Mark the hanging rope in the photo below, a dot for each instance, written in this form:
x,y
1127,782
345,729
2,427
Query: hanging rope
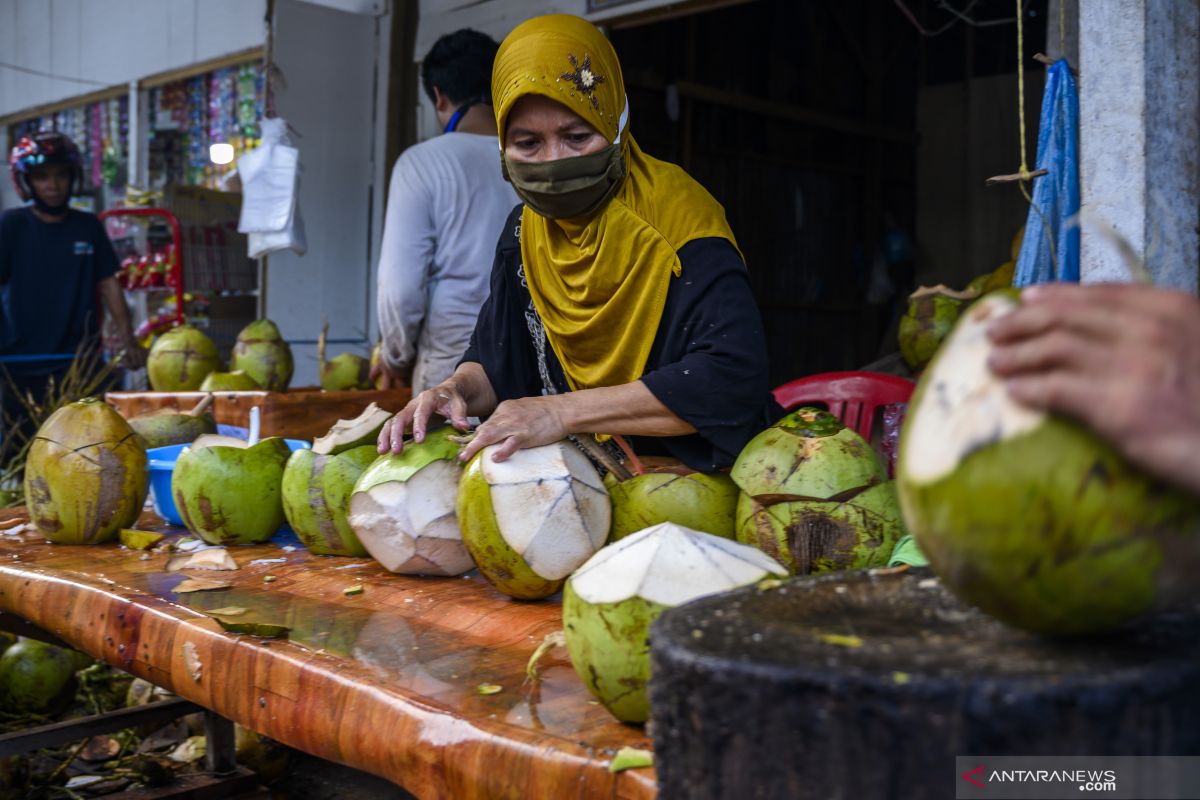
x,y
1023,174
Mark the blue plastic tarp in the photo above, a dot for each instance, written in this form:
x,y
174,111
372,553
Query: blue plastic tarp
x,y
1050,250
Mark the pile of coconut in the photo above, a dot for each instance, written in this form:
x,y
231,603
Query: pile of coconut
x,y
184,359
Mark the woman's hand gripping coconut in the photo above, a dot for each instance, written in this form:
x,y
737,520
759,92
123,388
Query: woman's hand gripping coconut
x,y
619,302
529,421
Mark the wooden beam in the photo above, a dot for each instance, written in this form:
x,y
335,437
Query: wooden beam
x,y
201,67
158,79
72,730
633,14
59,105
776,109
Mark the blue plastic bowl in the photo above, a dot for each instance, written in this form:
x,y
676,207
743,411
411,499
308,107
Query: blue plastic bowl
x,y
162,467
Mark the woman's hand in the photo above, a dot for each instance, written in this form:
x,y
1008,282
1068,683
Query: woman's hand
x,y
1122,359
629,410
519,424
468,392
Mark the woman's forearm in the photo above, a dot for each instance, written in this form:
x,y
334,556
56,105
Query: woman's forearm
x,y
474,388
627,410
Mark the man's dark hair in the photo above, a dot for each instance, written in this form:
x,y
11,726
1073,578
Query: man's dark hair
x,y
460,64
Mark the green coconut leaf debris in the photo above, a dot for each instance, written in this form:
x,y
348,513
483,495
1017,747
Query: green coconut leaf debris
x,y
551,641
199,585
265,630
841,640
631,758
139,540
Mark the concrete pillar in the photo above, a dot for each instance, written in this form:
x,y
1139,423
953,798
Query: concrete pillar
x,y
1139,77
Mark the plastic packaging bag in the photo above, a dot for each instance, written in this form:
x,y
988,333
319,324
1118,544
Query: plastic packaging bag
x,y
270,177
1055,195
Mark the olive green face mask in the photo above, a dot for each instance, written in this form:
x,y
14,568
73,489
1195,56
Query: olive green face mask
x,y
568,187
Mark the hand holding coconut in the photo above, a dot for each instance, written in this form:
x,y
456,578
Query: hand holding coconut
x,y
521,423
466,392
1123,359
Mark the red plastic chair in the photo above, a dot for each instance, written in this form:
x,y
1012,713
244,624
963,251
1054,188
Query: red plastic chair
x,y
852,397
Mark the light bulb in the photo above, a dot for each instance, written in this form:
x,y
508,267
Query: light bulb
x,y
220,152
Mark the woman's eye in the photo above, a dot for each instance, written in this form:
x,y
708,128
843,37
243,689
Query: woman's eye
x,y
526,144
578,138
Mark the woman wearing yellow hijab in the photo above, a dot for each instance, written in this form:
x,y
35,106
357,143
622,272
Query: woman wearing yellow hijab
x,y
619,301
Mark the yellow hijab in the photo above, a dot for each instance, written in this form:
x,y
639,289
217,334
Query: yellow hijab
x,y
600,283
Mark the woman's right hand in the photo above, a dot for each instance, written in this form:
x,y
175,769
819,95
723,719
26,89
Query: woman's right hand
x,y
445,400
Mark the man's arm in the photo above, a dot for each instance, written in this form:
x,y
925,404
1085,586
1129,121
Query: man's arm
x,y
134,356
405,259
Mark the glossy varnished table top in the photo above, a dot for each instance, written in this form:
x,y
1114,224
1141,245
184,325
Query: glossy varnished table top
x,y
386,681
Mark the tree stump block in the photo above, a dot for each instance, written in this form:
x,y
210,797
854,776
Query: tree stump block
x,y
863,686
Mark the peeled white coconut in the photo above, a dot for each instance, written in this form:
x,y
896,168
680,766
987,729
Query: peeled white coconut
x,y
611,601
531,520
346,434
402,508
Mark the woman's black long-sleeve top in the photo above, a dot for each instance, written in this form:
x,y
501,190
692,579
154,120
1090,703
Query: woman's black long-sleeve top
x,y
708,363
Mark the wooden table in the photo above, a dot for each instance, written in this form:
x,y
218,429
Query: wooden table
x,y
386,681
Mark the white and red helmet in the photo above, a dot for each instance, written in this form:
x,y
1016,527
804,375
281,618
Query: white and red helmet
x,y
44,147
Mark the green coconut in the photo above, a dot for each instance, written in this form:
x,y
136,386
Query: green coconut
x,y
36,677
531,520
345,372
346,434
236,381
932,312
180,360
672,493
804,496
611,601
231,494
85,476
7,640
316,497
811,453
815,536
167,426
160,430
265,757
999,278
261,353
1028,515
374,361
403,508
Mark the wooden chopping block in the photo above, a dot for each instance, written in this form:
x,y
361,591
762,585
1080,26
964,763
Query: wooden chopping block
x,y
856,686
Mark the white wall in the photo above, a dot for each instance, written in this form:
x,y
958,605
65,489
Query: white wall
x,y
110,42
328,59
1139,109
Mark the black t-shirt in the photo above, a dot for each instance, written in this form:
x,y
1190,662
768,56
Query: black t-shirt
x,y
708,363
48,277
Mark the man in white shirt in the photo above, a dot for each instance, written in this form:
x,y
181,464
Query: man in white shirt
x,y
447,203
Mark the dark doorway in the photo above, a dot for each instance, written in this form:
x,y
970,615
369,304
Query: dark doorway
x,y
802,119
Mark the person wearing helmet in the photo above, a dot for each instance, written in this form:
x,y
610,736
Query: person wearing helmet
x,y
55,262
